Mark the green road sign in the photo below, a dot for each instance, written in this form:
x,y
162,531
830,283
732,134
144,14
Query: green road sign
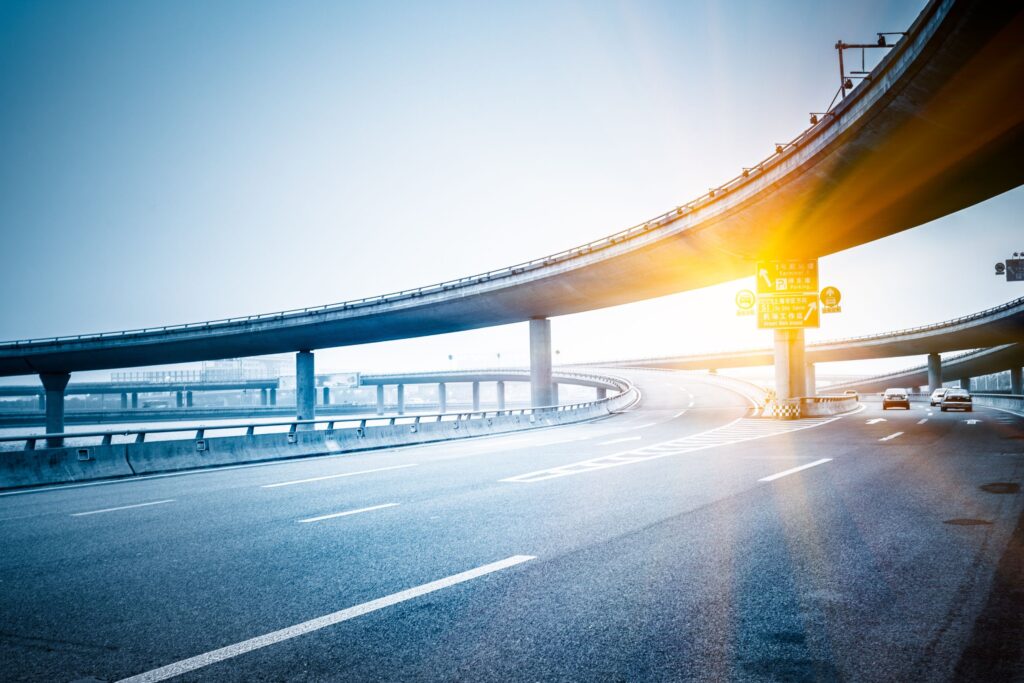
x,y
793,311
785,277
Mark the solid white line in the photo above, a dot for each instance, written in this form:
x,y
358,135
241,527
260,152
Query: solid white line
x,y
347,513
627,438
123,507
921,422
645,426
679,414
214,656
891,436
335,476
796,469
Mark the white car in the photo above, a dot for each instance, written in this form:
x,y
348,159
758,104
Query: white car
x,y
957,398
937,395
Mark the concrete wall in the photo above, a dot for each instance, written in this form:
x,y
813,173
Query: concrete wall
x,y
1005,401
81,463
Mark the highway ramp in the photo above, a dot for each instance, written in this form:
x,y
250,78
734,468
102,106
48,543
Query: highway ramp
x,y
681,540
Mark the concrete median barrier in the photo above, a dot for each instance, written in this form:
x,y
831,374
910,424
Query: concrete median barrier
x,y
63,465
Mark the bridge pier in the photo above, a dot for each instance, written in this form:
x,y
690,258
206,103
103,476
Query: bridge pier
x,y
179,399
476,396
54,384
790,380
601,393
554,393
273,396
188,399
540,362
1017,381
934,372
42,400
501,395
135,400
305,388
327,396
812,380
124,401
380,399
965,383
401,399
263,396
442,397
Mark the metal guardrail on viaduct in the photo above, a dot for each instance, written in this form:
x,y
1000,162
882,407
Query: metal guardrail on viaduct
x,y
937,126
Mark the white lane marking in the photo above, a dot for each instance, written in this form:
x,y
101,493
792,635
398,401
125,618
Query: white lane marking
x,y
679,414
123,507
627,438
972,422
274,637
334,476
921,422
645,426
796,469
875,420
739,430
346,513
891,436
690,404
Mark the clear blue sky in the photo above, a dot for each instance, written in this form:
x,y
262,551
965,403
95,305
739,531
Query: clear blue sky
x,y
167,162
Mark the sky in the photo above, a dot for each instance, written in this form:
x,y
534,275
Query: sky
x,y
170,162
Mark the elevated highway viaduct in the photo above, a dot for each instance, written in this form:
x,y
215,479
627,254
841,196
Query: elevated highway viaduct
x,y
936,127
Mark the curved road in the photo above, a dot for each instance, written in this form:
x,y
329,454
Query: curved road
x,y
670,542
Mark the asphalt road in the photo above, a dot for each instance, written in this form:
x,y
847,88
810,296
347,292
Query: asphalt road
x,y
671,542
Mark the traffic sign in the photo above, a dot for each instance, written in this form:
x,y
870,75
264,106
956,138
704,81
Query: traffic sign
x,y
785,277
830,298
793,311
745,299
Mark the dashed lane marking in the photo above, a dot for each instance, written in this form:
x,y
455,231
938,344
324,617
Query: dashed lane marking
x,y
921,422
346,513
891,436
122,507
199,661
334,476
737,431
794,470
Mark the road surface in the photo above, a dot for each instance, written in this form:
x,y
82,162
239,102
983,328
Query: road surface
x,y
680,540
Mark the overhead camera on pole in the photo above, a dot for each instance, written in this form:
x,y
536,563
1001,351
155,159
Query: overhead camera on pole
x,y
846,77
1013,268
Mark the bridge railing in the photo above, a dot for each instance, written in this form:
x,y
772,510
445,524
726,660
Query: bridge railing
x,y
783,151
203,431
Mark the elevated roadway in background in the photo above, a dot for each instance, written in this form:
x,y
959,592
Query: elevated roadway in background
x,y
989,328
937,126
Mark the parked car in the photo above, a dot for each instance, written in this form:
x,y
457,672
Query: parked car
x,y
957,398
937,395
895,398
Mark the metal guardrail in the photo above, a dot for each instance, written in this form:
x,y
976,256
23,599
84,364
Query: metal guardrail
x,y
782,152
624,387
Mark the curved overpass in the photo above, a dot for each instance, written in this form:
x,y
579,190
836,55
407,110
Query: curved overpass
x,y
936,127
989,328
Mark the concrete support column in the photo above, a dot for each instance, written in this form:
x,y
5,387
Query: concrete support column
x,y
135,400
812,380
327,396
476,396
305,387
273,396
934,372
263,396
554,394
601,393
54,385
965,383
401,399
1017,381
541,388
188,399
790,366
179,399
501,395
442,397
42,401
380,399
124,401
